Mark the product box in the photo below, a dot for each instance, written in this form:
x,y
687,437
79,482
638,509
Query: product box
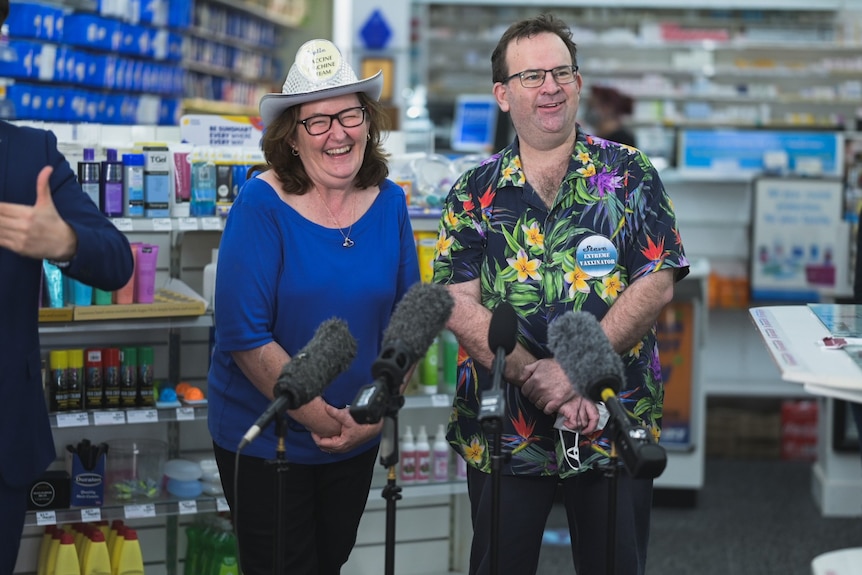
x,y
35,20
92,32
51,491
86,480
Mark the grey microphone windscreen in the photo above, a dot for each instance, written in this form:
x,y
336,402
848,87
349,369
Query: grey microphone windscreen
x,y
313,367
588,359
503,331
418,318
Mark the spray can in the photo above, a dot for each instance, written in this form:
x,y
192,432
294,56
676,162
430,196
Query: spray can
x,y
58,364
75,380
145,393
94,393
111,375
128,377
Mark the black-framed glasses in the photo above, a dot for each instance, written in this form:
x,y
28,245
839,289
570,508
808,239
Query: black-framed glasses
x,y
320,123
535,78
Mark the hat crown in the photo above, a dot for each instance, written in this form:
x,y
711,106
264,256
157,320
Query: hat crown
x,y
318,65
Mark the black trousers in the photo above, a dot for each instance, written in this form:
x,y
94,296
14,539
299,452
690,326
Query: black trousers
x,y
324,504
525,503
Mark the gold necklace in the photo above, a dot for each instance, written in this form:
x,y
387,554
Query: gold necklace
x,y
347,243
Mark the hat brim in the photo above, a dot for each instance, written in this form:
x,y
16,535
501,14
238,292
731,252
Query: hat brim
x,y
272,105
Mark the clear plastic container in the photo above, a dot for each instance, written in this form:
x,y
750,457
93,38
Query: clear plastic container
x,y
135,468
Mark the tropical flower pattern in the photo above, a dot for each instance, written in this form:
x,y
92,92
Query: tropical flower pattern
x,y
494,228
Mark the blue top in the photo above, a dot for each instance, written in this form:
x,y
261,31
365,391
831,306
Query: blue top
x,y
280,276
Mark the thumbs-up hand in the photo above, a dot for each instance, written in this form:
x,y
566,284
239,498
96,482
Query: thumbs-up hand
x,y
37,231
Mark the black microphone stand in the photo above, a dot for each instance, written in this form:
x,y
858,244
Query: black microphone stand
x,y
280,467
391,491
491,416
612,472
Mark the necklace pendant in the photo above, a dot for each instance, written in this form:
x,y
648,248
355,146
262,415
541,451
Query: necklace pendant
x,y
348,243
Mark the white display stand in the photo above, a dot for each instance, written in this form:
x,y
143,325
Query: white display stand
x,y
793,336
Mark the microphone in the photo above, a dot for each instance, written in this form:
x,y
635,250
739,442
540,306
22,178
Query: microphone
x,y
588,359
502,337
308,372
415,322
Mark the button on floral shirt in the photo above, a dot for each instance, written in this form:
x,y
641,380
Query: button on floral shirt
x,y
611,223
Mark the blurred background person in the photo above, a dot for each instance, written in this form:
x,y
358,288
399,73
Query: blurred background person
x,y
607,111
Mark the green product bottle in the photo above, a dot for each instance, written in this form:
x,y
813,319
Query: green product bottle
x,y
431,368
450,361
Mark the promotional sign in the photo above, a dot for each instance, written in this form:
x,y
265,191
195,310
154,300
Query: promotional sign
x,y
212,130
800,240
675,328
475,123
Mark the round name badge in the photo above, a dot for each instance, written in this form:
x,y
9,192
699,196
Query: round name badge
x,y
318,60
596,256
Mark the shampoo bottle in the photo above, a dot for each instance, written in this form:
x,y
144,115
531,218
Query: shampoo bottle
x,y
441,455
423,456
111,186
88,175
408,457
67,557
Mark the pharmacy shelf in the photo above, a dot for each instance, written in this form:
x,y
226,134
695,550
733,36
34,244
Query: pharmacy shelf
x,y
129,416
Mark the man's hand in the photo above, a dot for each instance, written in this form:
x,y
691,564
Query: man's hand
x,y
37,231
546,385
581,415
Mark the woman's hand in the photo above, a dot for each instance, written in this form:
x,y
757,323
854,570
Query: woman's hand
x,y
352,434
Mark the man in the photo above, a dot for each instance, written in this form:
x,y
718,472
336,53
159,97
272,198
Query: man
x,y
521,228
44,214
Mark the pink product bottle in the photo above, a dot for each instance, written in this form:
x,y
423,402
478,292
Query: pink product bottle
x,y
145,273
126,294
407,457
423,456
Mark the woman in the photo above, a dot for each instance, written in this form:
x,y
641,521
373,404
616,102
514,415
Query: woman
x,y
320,233
606,112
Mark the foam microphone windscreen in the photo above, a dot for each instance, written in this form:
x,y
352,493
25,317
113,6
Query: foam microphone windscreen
x,y
418,318
313,367
503,331
588,359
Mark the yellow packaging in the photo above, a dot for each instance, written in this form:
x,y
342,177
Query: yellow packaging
x,y
426,242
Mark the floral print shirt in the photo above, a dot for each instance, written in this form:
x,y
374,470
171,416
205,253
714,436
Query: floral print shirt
x,y
611,223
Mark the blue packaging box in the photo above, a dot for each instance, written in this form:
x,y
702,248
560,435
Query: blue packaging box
x,y
35,20
93,32
87,480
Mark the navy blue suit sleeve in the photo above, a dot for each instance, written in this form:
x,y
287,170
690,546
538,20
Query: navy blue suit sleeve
x,y
103,258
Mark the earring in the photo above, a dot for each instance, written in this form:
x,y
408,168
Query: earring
x,y
294,151
368,136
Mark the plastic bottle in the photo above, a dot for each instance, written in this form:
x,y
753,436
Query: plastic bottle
x,y
209,280
423,456
430,368
441,455
133,185
408,457
51,555
130,561
203,201
450,360
66,562
116,548
116,524
88,175
111,186
96,559
44,547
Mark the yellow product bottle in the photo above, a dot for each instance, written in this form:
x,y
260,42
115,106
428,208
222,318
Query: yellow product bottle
x,y
67,557
51,559
426,243
130,562
44,546
83,544
111,536
96,560
117,548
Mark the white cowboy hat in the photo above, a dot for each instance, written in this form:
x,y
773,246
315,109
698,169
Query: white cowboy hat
x,y
319,71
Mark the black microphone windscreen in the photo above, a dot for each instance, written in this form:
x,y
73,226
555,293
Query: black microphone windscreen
x,y
313,367
588,359
503,332
418,318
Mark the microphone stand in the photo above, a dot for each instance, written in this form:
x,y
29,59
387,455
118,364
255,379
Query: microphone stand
x,y
491,416
280,467
612,472
391,491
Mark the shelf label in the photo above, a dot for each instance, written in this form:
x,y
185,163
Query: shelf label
x,y
188,507
46,518
189,224
211,224
76,419
123,224
109,417
142,416
162,224
221,504
185,414
440,400
140,511
91,514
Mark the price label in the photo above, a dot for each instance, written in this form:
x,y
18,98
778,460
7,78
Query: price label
x,y
185,414
91,514
440,400
188,507
188,224
140,511
142,416
46,518
211,223
109,417
162,224
221,504
123,224
76,419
